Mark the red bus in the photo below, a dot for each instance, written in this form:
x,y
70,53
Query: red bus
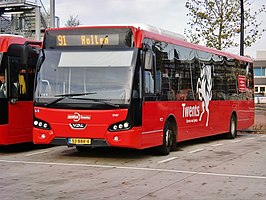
x,y
16,90
137,87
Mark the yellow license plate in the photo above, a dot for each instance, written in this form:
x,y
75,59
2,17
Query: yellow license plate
x,y
79,141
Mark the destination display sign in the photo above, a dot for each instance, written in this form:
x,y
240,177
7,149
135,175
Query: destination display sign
x,y
87,40
80,37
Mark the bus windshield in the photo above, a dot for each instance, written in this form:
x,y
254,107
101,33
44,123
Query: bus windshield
x,y
85,78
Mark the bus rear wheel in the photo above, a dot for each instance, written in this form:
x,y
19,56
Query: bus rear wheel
x,y
169,139
233,128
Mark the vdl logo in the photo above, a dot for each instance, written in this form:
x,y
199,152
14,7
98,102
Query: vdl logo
x,y
77,126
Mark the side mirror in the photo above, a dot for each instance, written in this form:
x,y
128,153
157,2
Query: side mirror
x,y
24,55
26,50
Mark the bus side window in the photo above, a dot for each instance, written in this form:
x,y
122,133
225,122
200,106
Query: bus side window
x,y
149,82
3,77
13,82
22,82
149,73
158,82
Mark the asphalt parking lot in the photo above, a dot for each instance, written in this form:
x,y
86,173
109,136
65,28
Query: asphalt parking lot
x,y
209,168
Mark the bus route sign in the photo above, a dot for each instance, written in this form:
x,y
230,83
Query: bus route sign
x,y
87,40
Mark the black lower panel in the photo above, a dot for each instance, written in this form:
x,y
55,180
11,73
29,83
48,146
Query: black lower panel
x,y
3,111
94,142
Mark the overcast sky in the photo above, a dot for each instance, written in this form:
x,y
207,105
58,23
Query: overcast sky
x,y
167,14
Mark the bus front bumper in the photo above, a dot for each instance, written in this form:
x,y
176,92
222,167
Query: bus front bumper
x,y
128,139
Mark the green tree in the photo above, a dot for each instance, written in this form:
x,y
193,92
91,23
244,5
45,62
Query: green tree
x,y
73,21
216,23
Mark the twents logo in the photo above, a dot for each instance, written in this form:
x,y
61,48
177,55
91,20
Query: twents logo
x,y
204,89
194,113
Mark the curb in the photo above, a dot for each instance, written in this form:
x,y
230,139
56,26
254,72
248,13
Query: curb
x,y
256,131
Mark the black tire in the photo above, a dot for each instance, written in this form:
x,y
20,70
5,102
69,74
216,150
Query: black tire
x,y
169,140
233,128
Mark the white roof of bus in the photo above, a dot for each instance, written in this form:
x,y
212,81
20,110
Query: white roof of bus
x,y
146,27
11,35
169,34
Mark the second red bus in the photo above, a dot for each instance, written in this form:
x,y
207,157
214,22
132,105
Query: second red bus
x,y
16,89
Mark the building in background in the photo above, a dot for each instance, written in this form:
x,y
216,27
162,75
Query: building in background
x,y
28,18
260,73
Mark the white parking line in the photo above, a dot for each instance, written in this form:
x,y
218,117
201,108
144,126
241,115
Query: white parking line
x,y
236,141
195,151
251,138
36,153
167,160
217,145
134,168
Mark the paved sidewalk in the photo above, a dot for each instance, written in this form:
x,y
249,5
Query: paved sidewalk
x,y
260,118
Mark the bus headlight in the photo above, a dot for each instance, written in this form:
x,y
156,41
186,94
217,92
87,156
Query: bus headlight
x,y
126,125
120,126
37,123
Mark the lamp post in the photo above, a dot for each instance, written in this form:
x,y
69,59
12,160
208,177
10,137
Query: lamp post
x,y
52,13
37,23
242,28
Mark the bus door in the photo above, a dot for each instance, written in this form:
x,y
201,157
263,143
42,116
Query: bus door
x,y
3,101
152,119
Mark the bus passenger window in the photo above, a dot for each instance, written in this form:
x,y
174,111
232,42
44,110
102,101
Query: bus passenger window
x,y
2,85
149,82
13,82
149,73
158,82
22,82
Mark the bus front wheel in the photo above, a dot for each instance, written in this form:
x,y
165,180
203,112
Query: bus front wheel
x,y
169,139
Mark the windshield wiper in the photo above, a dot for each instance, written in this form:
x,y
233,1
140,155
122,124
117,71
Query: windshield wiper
x,y
65,96
106,37
74,96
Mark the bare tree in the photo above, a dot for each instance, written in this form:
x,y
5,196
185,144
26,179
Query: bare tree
x,y
216,23
72,21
